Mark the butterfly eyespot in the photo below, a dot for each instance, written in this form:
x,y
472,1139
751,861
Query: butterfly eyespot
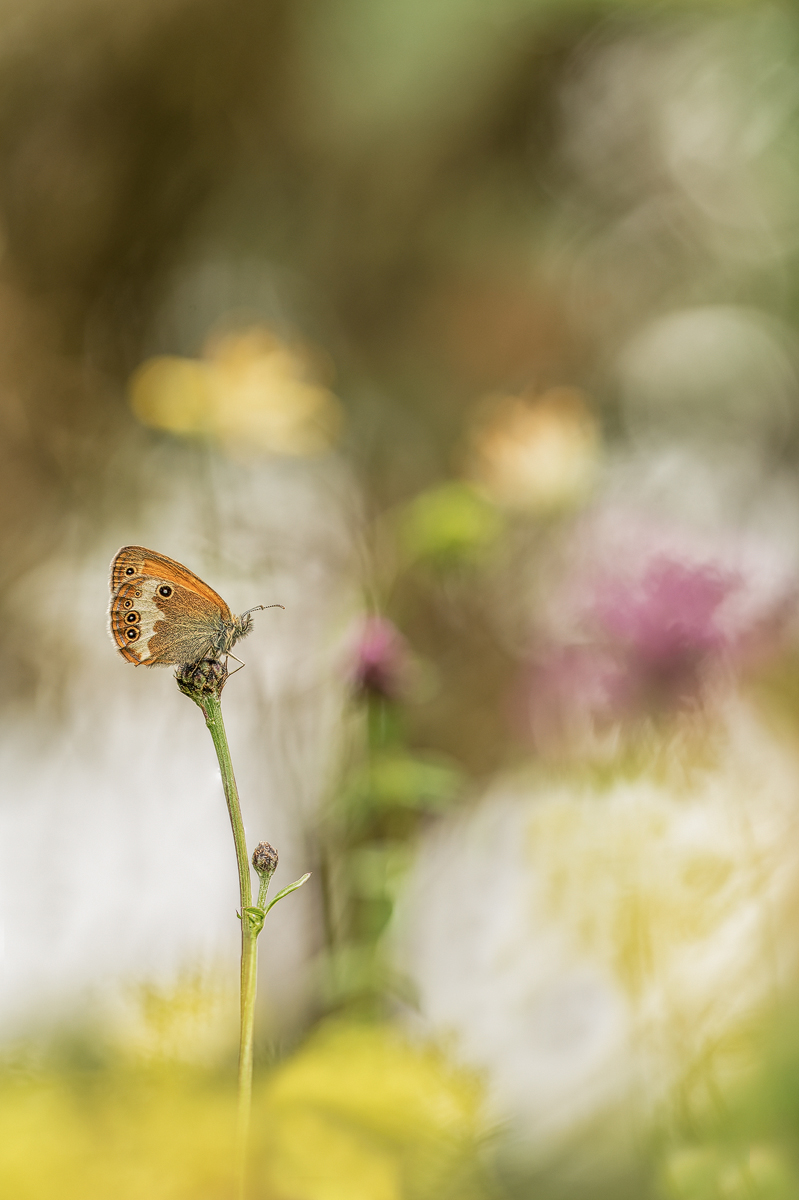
x,y
130,570
131,634
131,617
138,593
128,603
165,591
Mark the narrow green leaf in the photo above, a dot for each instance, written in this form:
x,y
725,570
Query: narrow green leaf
x,y
292,887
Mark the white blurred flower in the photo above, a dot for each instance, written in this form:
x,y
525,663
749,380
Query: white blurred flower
x,y
586,947
716,374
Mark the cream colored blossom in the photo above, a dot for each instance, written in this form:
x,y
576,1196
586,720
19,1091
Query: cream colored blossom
x,y
252,392
535,452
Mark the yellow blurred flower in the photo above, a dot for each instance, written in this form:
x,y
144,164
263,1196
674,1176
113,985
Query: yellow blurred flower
x,y
359,1114
194,1022
536,453
250,392
90,1130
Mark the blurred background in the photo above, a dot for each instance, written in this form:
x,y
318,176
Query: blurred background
x,y
469,333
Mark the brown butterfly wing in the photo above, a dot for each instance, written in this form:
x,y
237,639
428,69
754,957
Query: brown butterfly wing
x,y
157,630
132,561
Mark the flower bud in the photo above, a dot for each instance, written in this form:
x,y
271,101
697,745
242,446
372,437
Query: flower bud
x,y
201,679
264,859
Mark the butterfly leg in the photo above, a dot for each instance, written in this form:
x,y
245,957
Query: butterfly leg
x,y
238,660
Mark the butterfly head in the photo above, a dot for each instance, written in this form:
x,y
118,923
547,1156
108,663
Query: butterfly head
x,y
241,626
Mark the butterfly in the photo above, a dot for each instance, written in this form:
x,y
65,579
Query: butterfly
x,y
161,613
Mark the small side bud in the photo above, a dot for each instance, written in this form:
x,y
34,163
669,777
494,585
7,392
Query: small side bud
x,y
264,859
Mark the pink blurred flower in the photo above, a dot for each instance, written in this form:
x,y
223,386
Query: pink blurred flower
x,y
667,627
379,661
572,693
652,641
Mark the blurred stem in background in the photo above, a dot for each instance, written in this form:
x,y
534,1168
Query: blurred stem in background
x,y
385,791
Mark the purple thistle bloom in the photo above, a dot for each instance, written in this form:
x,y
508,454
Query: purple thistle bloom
x,y
667,627
649,644
380,659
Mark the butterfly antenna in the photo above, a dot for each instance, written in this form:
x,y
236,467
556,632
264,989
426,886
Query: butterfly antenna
x,y
260,607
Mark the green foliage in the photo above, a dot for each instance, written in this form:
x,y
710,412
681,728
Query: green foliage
x,y
449,525
741,1140
286,891
397,780
255,918
760,1172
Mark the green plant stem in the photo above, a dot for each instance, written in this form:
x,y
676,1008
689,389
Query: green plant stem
x,y
263,888
212,710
